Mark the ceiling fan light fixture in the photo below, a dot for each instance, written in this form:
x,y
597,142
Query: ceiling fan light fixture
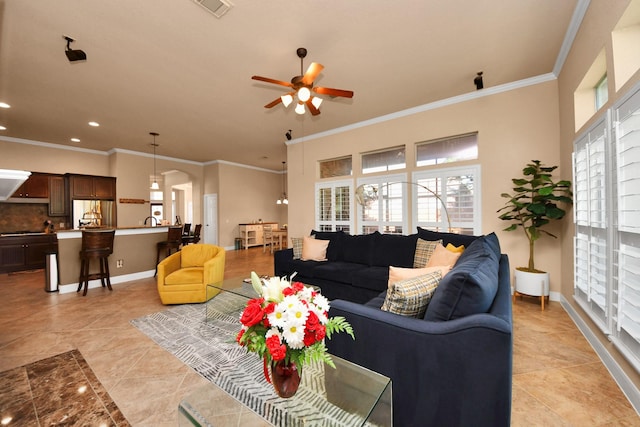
x,y
300,108
286,100
316,101
304,94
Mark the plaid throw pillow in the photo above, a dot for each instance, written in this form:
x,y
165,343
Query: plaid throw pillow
x,y
297,247
424,249
410,297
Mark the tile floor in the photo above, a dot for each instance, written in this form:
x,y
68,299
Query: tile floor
x,y
558,379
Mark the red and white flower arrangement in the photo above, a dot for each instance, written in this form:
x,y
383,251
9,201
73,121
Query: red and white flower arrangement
x,y
288,321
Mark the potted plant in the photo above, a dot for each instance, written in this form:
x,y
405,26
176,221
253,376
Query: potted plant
x,y
534,204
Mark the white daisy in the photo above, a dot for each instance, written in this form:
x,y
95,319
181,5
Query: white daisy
x,y
279,316
294,335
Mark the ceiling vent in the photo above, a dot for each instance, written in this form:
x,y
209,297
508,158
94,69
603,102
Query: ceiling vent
x,y
217,7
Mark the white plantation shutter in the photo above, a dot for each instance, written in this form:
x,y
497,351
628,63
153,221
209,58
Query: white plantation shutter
x,y
387,214
627,287
334,206
460,195
606,173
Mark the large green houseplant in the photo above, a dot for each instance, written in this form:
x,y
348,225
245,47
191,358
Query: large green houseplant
x,y
534,203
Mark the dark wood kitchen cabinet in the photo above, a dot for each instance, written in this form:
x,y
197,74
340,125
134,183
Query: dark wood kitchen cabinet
x,y
90,187
36,186
58,199
25,252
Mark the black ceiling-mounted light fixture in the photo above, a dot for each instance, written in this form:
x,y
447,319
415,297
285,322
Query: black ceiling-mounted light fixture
x,y
478,81
73,54
288,135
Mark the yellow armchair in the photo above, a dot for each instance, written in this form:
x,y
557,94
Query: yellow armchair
x,y
183,276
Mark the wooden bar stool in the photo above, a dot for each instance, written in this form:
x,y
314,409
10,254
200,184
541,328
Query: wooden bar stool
x,y
174,240
96,244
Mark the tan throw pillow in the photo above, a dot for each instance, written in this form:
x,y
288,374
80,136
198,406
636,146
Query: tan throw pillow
x,y
410,297
442,257
297,247
424,249
314,250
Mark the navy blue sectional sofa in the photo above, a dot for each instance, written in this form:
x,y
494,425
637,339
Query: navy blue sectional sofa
x,y
451,368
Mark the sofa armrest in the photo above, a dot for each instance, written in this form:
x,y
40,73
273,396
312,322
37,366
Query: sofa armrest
x,y
167,266
280,260
443,373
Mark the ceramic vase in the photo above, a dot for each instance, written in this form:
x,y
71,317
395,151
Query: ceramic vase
x,y
285,378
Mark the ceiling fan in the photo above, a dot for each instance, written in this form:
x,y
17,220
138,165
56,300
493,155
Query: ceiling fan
x,y
302,86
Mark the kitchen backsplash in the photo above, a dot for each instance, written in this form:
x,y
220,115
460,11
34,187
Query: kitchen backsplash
x,y
26,217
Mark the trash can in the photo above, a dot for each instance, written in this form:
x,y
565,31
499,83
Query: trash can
x,y
238,243
51,272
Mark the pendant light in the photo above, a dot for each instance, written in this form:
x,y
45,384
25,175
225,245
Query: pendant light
x,y
283,200
155,185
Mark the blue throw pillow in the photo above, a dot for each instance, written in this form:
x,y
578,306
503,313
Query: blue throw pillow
x,y
394,249
471,286
359,248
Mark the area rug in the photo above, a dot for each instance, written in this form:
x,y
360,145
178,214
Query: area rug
x,y
209,347
58,390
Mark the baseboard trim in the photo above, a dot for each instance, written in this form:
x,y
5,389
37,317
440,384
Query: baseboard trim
x,y
73,287
619,376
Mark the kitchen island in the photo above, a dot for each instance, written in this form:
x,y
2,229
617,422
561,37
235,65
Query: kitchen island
x,y
133,257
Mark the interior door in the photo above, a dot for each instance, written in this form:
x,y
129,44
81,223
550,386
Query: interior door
x,y
210,232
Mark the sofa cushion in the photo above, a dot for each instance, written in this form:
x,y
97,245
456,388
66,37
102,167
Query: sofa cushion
x,y
373,278
443,257
185,276
410,297
453,238
358,248
314,250
471,286
424,249
338,271
303,268
335,238
394,249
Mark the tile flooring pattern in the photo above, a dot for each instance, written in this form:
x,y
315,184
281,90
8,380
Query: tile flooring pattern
x,y
558,380
50,391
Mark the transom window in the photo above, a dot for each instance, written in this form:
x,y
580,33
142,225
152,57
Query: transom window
x,y
447,150
384,161
336,167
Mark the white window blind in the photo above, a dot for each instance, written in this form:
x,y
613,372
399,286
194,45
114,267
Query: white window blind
x,y
334,206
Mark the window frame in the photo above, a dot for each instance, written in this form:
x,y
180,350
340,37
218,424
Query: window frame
x,y
382,181
333,224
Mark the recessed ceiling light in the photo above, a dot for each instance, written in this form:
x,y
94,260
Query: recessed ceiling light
x,y
75,139
94,124
4,105
2,127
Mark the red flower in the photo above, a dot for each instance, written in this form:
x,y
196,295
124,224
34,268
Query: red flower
x,y
321,331
297,286
312,321
253,314
309,338
277,350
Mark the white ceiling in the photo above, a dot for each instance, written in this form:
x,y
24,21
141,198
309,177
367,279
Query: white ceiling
x,y
171,67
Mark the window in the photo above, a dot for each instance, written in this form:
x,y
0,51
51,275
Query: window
x,y
448,198
333,206
383,208
602,92
447,150
383,161
336,167
607,232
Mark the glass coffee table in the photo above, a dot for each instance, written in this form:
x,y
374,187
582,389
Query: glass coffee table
x,y
348,395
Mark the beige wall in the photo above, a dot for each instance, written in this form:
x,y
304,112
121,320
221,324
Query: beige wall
x,y
593,36
513,128
246,195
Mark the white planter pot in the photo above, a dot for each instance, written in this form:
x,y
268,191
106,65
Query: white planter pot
x,y
535,284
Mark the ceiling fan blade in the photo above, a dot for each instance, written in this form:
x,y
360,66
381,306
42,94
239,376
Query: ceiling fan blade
x,y
274,81
312,72
333,92
273,103
312,108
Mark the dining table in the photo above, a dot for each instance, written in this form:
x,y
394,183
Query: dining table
x,y
281,234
